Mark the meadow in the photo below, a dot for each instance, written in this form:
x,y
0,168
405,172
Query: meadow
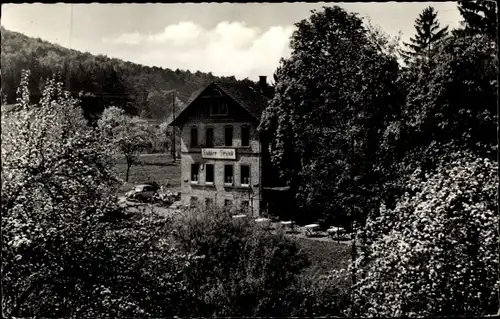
x,y
157,168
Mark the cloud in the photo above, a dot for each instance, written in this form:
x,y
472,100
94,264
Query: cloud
x,y
230,48
178,34
126,38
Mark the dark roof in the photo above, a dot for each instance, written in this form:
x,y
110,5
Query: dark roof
x,y
250,98
178,111
196,93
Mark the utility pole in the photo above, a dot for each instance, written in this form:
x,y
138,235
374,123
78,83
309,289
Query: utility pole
x,y
353,234
352,217
173,127
498,161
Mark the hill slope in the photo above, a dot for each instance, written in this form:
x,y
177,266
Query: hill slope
x,y
139,89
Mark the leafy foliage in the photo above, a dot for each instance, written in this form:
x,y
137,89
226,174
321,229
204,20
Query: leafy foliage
x,y
246,271
138,89
334,98
348,130
65,242
480,17
126,135
436,253
456,101
429,33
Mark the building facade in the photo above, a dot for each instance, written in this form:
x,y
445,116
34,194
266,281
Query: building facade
x,y
221,150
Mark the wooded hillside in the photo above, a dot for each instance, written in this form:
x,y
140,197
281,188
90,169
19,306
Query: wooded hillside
x,y
139,89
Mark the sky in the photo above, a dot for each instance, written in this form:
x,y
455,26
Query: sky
x,y
244,40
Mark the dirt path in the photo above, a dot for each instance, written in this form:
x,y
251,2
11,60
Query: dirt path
x,y
323,238
146,208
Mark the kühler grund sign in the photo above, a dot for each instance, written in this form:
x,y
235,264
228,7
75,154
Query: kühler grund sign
x,y
218,153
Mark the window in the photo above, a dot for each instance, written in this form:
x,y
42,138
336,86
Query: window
x,y
245,136
209,169
228,203
194,137
209,137
228,136
218,107
228,174
195,168
245,175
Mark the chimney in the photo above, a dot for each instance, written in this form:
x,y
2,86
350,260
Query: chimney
x,y
263,83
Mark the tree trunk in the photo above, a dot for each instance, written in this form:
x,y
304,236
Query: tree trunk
x,y
128,170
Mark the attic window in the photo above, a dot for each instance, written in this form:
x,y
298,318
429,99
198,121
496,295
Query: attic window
x,y
218,107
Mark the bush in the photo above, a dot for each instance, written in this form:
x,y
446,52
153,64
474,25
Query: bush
x,y
67,248
246,271
436,252
322,295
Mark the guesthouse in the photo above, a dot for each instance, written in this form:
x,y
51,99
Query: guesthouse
x,y
223,157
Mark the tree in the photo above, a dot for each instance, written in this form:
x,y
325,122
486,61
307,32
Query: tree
x,y
436,252
111,81
127,135
480,17
334,98
56,182
246,272
455,102
65,242
3,97
429,33
164,134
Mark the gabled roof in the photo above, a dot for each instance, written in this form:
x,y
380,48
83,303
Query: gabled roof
x,y
250,98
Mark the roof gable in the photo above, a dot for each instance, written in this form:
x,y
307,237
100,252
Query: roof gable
x,y
250,99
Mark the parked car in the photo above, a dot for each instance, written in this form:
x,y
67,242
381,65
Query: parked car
x,y
142,192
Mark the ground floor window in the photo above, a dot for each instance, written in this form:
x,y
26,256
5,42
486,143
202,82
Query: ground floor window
x,y
228,174
245,175
195,168
209,171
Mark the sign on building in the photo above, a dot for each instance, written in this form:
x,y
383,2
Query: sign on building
x,y
218,153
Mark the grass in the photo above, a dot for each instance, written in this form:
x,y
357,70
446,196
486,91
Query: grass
x,y
325,255
157,168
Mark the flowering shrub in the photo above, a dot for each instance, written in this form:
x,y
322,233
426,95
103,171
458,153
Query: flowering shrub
x,y
436,253
67,248
246,271
124,134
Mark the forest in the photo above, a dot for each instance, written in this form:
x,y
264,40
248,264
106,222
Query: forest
x,y
139,90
